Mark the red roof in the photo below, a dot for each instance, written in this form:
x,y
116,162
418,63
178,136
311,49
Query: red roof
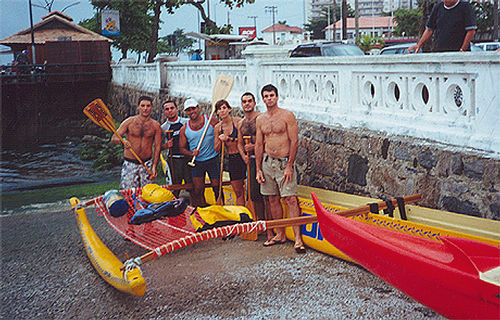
x,y
366,23
283,28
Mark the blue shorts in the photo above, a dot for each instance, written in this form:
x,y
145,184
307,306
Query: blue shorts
x,y
211,166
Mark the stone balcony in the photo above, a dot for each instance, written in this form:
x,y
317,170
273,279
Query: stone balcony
x,y
449,98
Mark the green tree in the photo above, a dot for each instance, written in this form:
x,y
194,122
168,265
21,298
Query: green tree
x,y
210,26
135,23
175,43
316,26
484,17
408,21
367,42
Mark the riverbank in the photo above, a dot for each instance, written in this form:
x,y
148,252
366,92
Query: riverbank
x,y
47,275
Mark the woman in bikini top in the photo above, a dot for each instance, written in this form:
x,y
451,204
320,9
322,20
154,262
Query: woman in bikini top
x,y
226,131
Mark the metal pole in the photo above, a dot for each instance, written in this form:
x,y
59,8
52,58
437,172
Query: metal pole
x,y
329,29
495,20
32,35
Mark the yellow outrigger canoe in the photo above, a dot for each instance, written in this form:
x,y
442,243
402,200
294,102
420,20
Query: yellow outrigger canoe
x,y
420,221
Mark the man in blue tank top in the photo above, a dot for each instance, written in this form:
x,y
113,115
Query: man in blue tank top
x,y
207,159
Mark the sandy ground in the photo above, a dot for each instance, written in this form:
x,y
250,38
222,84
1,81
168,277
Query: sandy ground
x,y
47,275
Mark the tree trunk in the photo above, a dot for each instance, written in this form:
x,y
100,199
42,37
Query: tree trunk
x,y
153,39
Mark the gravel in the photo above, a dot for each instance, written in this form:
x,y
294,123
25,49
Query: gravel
x,y
47,275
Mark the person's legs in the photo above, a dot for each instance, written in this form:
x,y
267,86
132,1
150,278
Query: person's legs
x,y
294,211
197,197
277,213
212,167
239,192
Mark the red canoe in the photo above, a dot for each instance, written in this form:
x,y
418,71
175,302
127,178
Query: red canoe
x,y
457,278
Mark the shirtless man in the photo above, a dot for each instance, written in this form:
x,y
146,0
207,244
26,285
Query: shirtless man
x,y
248,127
276,146
143,135
207,159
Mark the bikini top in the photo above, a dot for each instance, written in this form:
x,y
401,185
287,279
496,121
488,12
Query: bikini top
x,y
234,135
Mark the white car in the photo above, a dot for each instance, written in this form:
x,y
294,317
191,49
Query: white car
x,y
488,46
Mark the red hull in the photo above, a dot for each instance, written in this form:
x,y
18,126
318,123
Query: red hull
x,y
441,275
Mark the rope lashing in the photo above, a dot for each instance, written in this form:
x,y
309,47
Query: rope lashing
x,y
130,265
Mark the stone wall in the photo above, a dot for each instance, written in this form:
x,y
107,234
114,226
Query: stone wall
x,y
373,164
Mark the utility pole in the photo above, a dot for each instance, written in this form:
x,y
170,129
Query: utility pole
x,y
495,20
273,10
254,23
344,19
32,35
356,19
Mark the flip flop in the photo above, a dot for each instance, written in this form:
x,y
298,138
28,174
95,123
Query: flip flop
x,y
300,249
272,242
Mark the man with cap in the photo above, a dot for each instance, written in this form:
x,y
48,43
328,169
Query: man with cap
x,y
22,61
207,159
180,170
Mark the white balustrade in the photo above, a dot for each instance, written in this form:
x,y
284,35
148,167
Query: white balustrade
x,y
452,98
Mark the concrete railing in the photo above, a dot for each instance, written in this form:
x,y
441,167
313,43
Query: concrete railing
x,y
452,98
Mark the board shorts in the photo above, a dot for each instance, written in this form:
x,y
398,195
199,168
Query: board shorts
x,y
237,167
181,170
273,170
133,174
210,166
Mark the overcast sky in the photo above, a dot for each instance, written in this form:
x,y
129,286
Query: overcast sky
x,y
14,16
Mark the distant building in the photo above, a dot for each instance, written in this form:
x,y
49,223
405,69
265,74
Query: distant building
x,y
378,26
283,34
366,7
58,40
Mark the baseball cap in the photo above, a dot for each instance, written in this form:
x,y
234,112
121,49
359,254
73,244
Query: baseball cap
x,y
190,103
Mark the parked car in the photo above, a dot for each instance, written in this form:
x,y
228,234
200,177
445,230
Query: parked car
x,y
403,48
326,49
488,46
397,48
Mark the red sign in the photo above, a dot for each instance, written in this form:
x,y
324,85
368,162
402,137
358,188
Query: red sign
x,y
249,32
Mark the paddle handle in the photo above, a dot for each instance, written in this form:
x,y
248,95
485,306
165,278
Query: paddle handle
x,y
250,206
280,223
133,152
191,163
171,165
220,200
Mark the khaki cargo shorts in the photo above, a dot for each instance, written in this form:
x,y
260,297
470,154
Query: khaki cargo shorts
x,y
273,169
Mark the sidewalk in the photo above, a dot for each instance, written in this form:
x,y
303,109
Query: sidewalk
x,y
47,275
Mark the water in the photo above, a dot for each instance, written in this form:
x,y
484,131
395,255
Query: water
x,y
48,165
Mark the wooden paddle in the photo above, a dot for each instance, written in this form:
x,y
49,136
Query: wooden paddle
x,y
252,236
100,115
170,161
152,255
222,88
220,200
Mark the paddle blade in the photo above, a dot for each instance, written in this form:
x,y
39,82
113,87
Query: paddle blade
x,y
100,115
222,88
163,164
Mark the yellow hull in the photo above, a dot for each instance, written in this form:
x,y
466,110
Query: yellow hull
x,y
104,261
423,222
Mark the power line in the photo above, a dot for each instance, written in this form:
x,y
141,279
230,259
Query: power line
x,y
273,10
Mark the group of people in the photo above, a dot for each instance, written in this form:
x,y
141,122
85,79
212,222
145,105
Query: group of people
x,y
265,142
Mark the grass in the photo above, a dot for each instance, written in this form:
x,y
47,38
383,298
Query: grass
x,y
17,199
13,200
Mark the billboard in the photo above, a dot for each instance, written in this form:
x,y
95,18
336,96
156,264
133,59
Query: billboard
x,y
110,22
249,32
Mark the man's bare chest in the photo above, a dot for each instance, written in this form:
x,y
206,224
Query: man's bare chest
x,y
141,129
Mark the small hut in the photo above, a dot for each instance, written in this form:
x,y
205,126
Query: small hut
x,y
60,41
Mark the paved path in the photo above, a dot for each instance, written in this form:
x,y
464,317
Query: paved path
x,y
46,275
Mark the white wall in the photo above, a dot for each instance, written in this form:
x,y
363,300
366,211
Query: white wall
x,y
451,98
